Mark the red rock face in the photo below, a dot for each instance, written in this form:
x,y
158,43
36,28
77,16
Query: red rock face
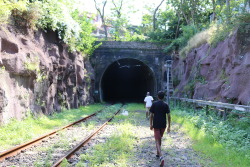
x,y
219,74
38,74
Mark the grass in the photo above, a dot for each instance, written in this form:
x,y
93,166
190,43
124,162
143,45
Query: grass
x,y
213,35
17,132
115,151
118,149
218,145
108,112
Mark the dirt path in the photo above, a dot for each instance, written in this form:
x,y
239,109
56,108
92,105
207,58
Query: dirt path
x,y
176,148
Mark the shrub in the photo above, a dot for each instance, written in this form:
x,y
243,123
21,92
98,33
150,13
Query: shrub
x,y
6,6
27,18
187,32
197,40
56,16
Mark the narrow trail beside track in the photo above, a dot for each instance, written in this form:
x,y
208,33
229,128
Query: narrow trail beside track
x,y
176,148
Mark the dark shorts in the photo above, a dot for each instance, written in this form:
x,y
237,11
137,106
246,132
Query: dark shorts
x,y
159,133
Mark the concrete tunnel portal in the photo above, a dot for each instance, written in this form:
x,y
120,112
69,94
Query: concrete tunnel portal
x,y
127,80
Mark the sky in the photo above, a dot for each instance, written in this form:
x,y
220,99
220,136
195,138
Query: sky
x,y
136,5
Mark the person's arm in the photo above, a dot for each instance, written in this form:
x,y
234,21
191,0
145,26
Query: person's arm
x,y
169,122
151,120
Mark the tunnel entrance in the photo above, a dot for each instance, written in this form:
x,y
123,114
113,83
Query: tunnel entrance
x,y
127,80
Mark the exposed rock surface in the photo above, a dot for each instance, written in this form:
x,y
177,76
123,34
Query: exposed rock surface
x,y
218,74
39,74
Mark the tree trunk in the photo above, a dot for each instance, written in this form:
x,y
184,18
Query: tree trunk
x,y
214,8
178,25
102,15
154,16
228,14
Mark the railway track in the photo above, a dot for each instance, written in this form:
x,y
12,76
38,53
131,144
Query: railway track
x,y
50,147
71,153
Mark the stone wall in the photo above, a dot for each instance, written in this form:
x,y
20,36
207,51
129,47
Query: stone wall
x,y
218,74
39,75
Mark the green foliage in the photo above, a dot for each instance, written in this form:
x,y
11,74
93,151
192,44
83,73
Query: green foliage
x,y
221,33
85,42
6,7
226,142
108,112
27,18
189,88
73,27
133,37
201,79
29,128
56,16
188,31
65,163
176,81
33,65
116,150
2,69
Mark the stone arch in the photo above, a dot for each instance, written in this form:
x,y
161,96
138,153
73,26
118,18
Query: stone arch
x,y
127,80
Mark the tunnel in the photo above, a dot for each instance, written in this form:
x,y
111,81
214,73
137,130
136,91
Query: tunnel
x,y
127,80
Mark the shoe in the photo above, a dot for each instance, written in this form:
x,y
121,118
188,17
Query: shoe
x,y
161,161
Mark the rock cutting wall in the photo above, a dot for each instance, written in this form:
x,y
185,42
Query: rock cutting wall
x,y
219,74
38,74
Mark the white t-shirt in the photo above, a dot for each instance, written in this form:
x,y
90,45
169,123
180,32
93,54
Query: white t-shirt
x,y
148,101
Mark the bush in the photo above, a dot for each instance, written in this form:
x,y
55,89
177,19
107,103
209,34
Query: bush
x,y
72,27
6,7
56,16
29,17
232,134
196,41
187,32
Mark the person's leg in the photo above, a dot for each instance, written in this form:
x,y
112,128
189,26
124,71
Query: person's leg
x,y
147,112
157,135
162,130
158,142
158,147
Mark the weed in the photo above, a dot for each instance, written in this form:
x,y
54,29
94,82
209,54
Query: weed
x,y
64,163
226,144
2,70
116,150
17,132
201,79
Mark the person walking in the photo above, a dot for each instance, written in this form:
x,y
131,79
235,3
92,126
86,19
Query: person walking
x,y
159,110
148,103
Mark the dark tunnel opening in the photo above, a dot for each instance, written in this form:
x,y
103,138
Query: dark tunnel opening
x,y
127,80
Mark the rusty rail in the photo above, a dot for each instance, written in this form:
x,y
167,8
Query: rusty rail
x,y
15,150
70,153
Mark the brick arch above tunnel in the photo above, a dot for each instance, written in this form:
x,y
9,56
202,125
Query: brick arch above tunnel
x,y
149,54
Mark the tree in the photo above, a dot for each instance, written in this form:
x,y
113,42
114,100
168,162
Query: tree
x,y
154,16
118,22
228,11
102,15
118,8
